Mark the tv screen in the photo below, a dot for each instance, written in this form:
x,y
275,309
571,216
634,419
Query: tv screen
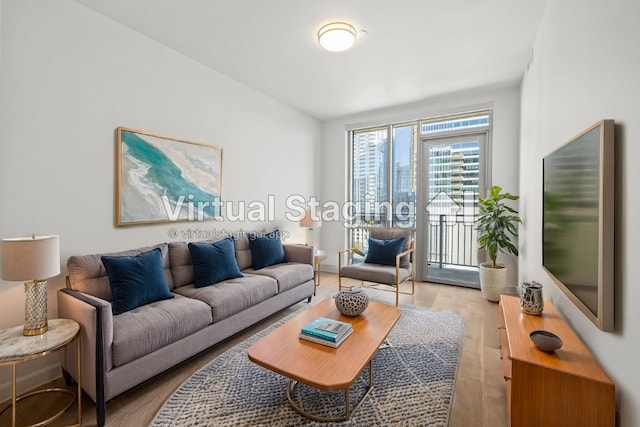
x,y
577,232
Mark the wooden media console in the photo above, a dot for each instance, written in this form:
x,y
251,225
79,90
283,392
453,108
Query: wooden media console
x,y
562,388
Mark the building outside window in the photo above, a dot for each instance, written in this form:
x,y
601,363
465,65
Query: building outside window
x,y
386,178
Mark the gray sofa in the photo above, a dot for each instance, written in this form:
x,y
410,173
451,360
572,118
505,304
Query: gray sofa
x,y
121,351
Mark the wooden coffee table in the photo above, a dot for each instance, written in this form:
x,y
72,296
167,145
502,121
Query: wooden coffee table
x,y
323,367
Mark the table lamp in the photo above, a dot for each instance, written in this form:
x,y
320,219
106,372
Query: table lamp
x,y
34,259
310,221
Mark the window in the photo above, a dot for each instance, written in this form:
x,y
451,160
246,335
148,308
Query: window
x,y
460,122
384,169
403,175
369,171
383,176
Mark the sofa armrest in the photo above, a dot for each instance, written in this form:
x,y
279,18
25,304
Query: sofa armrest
x,y
298,253
96,326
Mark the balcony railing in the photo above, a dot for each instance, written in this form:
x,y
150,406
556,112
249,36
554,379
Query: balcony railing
x,y
452,240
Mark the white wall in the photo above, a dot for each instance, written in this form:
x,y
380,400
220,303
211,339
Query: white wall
x,y
506,109
585,68
69,77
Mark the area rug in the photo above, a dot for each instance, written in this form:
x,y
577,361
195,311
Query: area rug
x,y
414,382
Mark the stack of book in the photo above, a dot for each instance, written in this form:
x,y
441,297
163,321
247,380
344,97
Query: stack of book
x,y
325,331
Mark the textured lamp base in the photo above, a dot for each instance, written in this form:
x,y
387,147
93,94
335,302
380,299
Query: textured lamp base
x,y
35,308
309,237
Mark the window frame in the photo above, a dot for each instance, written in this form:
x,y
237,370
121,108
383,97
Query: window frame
x,y
419,135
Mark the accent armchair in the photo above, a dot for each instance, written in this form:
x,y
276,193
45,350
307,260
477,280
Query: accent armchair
x,y
389,262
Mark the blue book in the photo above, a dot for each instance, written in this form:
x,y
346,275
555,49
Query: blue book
x,y
327,329
325,342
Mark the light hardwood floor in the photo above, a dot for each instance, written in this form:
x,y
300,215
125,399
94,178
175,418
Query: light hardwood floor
x,y
479,398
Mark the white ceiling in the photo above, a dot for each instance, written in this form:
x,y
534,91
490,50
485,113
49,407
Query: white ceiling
x,y
412,49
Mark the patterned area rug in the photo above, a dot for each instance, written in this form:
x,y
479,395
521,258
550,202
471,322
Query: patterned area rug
x,y
413,383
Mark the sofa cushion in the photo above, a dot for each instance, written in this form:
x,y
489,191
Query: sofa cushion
x,y
213,262
148,328
87,273
181,264
136,280
266,250
288,275
384,251
243,253
232,296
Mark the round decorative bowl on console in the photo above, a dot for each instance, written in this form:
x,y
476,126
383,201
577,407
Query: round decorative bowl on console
x,y
545,340
351,301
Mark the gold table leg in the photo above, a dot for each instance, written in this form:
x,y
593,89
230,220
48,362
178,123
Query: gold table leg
x,y
15,398
79,380
347,411
316,269
13,395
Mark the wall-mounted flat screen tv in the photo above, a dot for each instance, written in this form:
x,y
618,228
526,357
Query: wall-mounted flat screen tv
x,y
578,221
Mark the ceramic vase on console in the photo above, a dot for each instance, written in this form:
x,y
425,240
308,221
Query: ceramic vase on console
x,y
352,301
531,298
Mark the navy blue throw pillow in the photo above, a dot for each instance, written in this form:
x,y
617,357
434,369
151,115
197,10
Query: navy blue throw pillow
x,y
213,262
136,280
266,250
384,251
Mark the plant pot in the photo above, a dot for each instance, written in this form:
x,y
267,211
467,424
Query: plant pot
x,y
492,281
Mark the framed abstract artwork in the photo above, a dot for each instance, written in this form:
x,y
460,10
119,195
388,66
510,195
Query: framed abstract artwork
x,y
161,179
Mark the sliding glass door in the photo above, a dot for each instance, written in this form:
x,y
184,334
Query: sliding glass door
x,y
451,183
426,176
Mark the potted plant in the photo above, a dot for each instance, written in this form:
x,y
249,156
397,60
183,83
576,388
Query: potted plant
x,y
497,222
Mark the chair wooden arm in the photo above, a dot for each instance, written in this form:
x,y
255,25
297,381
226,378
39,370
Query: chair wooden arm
x,y
340,253
401,254
411,250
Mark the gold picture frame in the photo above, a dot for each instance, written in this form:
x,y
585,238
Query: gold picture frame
x,y
163,179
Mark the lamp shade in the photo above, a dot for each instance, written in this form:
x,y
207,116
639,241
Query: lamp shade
x,y
337,36
309,220
30,258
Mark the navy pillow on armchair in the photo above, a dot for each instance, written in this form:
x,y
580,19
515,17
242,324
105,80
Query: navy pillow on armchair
x,y
136,280
384,251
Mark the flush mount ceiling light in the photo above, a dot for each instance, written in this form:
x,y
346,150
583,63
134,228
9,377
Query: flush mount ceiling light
x,y
337,36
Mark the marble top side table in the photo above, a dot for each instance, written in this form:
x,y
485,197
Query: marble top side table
x,y
15,348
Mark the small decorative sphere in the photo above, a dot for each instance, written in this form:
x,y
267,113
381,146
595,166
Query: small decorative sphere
x,y
352,301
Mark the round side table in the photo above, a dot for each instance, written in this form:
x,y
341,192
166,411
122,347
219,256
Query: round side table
x,y
15,348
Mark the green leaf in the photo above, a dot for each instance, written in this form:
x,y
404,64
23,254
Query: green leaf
x,y
496,223
358,251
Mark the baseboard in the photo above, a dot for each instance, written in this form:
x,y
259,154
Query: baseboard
x,y
329,269
31,380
